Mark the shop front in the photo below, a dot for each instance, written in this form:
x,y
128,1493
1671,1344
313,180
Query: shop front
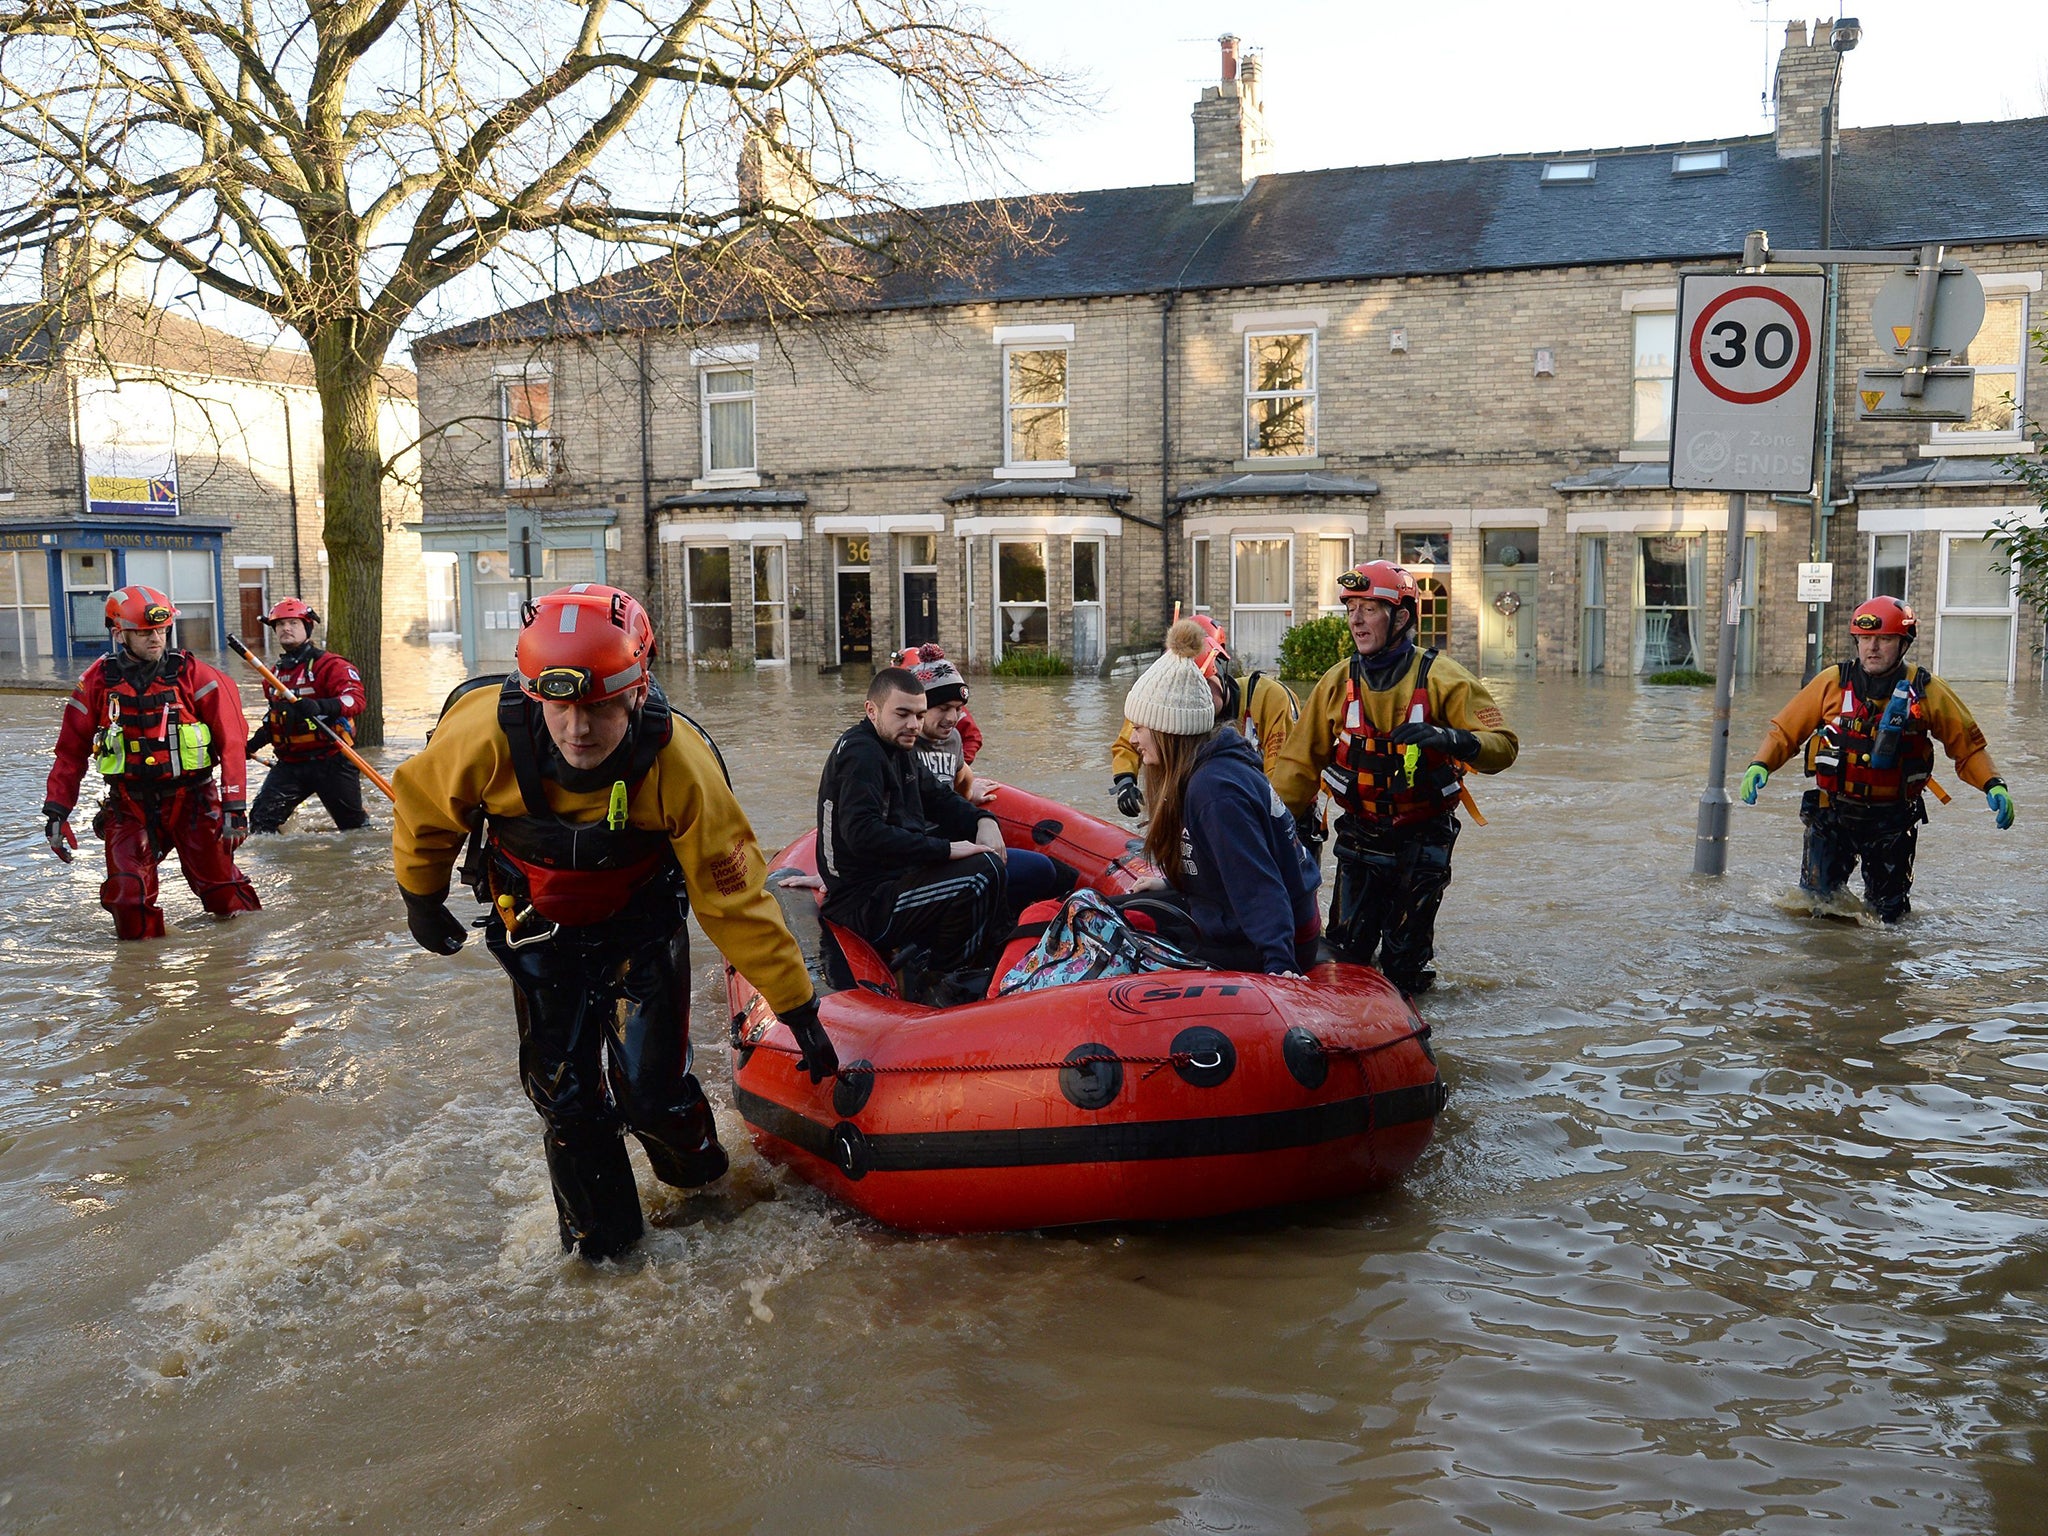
x,y
56,576
489,598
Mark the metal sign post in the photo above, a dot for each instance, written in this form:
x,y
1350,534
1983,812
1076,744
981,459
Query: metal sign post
x,y
522,544
1743,412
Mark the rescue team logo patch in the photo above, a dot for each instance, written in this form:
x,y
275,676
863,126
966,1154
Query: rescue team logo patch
x,y
1489,717
729,871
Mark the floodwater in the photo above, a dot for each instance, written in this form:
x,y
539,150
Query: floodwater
x,y
1734,1222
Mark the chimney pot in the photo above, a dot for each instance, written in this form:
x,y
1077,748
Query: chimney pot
x,y
1229,42
1795,34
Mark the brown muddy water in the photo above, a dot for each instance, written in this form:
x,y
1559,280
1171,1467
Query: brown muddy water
x,y
1734,1223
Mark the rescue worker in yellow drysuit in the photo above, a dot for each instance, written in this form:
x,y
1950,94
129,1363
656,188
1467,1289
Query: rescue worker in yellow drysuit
x,y
1869,726
1389,733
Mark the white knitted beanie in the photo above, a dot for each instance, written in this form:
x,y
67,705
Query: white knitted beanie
x,y
1171,695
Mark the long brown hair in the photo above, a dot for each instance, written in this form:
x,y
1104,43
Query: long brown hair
x,y
1166,790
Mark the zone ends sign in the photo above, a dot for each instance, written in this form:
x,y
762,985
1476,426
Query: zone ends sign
x,y
1748,382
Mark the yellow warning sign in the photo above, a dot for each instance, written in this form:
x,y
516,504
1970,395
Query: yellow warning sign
x,y
1902,334
1872,398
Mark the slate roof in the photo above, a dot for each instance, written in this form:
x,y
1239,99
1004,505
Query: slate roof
x,y
1039,490
1944,471
756,496
1618,477
1264,483
1954,182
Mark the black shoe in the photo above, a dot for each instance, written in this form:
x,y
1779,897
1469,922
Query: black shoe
x,y
1416,985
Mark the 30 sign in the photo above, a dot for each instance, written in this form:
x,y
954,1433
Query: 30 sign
x,y
1748,382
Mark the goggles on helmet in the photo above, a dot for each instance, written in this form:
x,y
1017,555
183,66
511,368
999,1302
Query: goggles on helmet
x,y
563,684
1354,585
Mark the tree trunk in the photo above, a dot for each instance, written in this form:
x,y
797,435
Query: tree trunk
x,y
352,479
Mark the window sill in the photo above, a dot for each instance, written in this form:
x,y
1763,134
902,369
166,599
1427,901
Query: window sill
x,y
1643,456
523,487
1278,465
6,495
1034,472
728,480
1978,447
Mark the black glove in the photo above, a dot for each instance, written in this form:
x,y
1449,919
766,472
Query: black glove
x,y
434,928
257,742
301,713
57,830
818,1059
1309,828
234,827
1130,799
1448,739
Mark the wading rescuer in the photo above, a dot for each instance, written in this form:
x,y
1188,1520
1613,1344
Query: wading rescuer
x,y
1262,708
599,821
324,687
1390,733
1869,726
155,721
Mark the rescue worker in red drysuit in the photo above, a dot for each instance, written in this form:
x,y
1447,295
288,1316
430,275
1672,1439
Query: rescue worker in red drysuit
x,y
1390,733
600,820
1869,726
323,686
155,721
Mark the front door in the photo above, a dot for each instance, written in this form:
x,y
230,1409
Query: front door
x,y
88,582
253,629
856,619
920,607
1507,621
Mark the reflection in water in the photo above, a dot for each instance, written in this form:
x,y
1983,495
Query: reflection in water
x,y
1733,1222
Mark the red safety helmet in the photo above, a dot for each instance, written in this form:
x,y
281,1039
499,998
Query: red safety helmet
x,y
1884,616
141,608
1383,581
291,608
585,643
1218,642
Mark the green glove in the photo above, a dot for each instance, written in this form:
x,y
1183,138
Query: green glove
x,y
1754,778
1999,798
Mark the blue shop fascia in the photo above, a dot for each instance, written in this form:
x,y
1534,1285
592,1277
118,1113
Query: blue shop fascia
x,y
86,558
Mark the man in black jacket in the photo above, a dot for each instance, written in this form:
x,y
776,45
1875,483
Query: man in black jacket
x,y
904,858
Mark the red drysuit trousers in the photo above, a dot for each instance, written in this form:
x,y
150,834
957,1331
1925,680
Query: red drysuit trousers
x,y
139,829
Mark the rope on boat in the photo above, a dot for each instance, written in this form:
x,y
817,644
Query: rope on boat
x,y
1093,1058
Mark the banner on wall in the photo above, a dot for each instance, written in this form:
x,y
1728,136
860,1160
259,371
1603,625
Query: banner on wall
x,y
127,437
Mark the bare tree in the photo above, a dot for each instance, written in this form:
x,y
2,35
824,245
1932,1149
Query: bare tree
x,y
336,164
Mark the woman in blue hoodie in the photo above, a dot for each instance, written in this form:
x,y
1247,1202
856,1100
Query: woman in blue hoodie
x,y
1218,832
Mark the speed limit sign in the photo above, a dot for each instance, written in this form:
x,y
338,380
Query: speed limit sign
x,y
1748,382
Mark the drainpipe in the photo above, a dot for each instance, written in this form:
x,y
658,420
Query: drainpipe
x,y
650,547
1166,443
291,480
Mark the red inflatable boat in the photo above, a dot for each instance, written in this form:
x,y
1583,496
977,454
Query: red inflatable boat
x,y
1141,1098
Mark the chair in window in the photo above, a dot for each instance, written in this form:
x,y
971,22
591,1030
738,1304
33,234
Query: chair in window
x,y
1656,639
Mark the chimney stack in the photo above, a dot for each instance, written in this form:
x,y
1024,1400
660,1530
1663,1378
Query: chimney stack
x,y
774,174
1231,147
1807,74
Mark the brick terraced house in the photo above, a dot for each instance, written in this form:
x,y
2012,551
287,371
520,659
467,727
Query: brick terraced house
x,y
1223,393
140,445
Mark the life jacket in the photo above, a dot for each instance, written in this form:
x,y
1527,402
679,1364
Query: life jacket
x,y
574,872
1369,776
153,734
308,740
1838,755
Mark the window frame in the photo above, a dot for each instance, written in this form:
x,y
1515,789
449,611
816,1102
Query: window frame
x,y
1870,566
778,605
1637,377
541,443
1310,391
691,603
1350,543
1697,609
24,625
1943,612
1198,575
1961,434
1043,543
1066,407
1593,554
1100,602
750,397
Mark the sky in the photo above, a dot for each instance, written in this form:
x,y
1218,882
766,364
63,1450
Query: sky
x,y
1368,82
